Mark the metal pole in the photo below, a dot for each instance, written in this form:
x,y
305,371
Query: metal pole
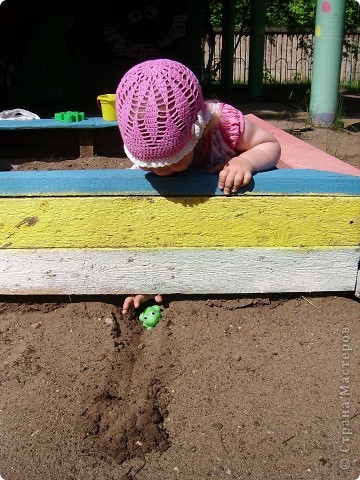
x,y
227,54
328,44
256,51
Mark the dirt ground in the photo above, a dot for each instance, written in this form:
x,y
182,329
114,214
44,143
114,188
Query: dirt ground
x,y
262,388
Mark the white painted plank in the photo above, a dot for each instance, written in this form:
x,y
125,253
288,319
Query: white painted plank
x,y
357,285
189,271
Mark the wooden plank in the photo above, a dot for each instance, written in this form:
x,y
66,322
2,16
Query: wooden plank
x,y
195,183
186,271
48,123
158,222
296,153
357,286
125,231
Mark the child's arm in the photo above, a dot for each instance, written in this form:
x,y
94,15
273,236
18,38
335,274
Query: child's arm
x,y
259,151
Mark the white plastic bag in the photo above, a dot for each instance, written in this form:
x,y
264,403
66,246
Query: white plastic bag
x,y
18,114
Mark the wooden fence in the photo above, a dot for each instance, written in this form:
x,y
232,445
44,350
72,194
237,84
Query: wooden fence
x,y
287,57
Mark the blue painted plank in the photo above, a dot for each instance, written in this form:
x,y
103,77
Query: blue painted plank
x,y
196,183
46,123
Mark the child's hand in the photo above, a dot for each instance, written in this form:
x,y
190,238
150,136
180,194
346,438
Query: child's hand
x,y
132,303
235,173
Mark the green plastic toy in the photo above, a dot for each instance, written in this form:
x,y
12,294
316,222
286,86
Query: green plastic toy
x,y
69,116
150,317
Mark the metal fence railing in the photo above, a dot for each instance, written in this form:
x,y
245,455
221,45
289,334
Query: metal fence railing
x,y
287,57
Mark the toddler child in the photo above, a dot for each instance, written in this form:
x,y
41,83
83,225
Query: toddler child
x,y
167,127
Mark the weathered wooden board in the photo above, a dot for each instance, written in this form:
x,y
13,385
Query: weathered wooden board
x,y
296,153
85,129
46,123
190,183
188,271
158,222
122,231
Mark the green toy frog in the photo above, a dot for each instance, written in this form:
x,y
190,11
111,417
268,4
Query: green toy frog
x,y
150,317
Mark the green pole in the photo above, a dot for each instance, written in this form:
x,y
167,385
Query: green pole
x,y
228,28
328,44
256,50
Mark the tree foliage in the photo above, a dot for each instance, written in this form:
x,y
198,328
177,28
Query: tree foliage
x,y
294,15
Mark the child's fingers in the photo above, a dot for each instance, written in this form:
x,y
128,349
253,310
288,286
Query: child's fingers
x,y
247,178
227,180
231,180
241,180
132,303
128,307
139,299
158,299
222,178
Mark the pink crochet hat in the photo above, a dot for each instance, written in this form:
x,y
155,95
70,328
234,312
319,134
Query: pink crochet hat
x,y
161,112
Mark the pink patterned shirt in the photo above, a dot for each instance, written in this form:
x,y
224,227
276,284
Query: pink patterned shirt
x,y
220,143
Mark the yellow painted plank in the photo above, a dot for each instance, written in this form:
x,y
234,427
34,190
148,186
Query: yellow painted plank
x,y
150,222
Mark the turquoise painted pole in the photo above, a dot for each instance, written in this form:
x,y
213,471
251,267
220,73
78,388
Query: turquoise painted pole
x,y
256,52
328,44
